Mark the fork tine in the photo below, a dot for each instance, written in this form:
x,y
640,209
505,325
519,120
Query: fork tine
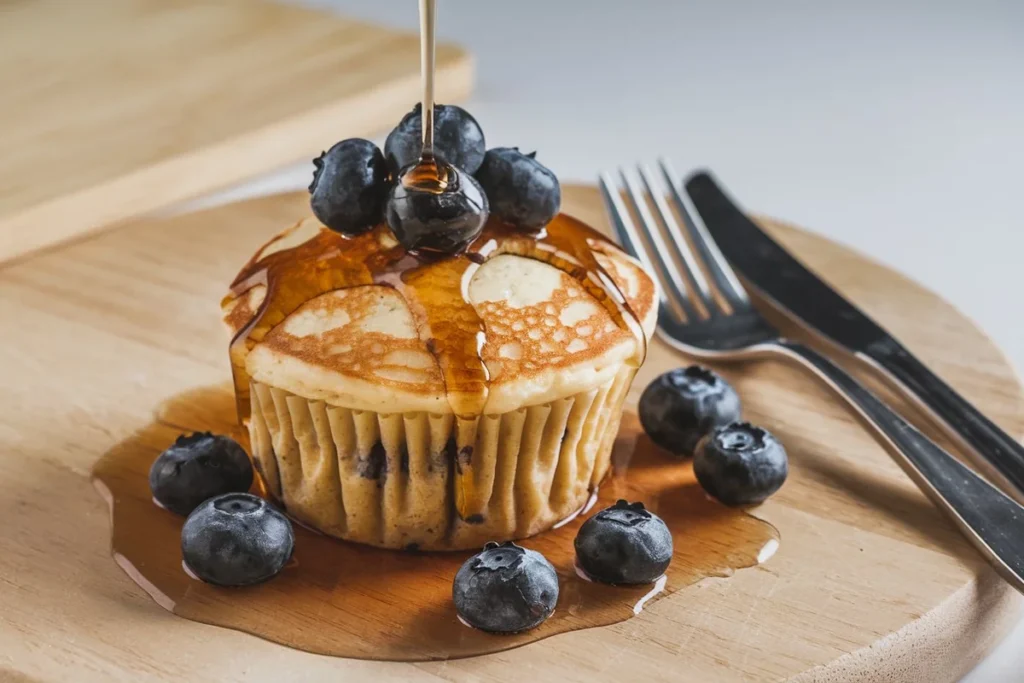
x,y
626,231
674,285
682,249
719,269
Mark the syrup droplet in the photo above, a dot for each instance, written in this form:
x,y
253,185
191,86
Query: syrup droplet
x,y
435,209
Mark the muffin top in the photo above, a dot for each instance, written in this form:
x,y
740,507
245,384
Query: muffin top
x,y
543,334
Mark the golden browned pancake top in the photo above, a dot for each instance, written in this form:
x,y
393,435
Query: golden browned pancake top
x,y
545,337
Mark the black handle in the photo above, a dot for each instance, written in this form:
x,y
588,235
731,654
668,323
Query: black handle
x,y
991,520
979,433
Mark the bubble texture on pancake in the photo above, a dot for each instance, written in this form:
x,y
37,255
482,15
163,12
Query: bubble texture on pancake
x,y
359,348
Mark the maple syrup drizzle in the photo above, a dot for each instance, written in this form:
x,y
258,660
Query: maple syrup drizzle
x,y
436,292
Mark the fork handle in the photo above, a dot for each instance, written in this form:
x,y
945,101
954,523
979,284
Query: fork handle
x,y
961,419
988,518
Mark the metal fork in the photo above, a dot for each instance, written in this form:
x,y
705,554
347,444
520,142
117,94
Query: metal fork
x,y
728,327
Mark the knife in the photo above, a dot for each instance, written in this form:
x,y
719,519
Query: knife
x,y
789,285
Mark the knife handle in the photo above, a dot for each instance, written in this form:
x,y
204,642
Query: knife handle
x,y
991,520
913,379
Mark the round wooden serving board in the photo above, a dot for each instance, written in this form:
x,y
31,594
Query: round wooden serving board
x,y
870,583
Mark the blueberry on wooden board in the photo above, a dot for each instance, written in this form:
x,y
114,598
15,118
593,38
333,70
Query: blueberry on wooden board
x,y
505,589
740,464
681,406
237,539
197,467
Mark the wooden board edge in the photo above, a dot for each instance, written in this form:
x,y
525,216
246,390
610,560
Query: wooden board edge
x,y
942,645
223,164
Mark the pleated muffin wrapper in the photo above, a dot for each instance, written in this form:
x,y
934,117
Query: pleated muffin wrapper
x,y
434,482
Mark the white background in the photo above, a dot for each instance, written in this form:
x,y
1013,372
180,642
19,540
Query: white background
x,y
894,127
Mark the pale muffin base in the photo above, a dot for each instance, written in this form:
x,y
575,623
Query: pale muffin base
x,y
418,480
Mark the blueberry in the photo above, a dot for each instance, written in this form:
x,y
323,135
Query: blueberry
x,y
429,219
237,539
678,408
624,544
740,464
350,186
505,589
458,138
198,467
520,189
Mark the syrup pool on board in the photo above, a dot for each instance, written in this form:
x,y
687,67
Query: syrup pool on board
x,y
351,600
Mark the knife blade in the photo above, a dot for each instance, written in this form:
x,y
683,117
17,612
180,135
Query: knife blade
x,y
786,283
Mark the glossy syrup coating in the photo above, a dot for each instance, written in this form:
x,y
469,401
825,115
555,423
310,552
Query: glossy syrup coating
x,y
436,209
433,290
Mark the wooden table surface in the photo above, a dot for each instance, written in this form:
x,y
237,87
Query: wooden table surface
x,y
870,582
114,108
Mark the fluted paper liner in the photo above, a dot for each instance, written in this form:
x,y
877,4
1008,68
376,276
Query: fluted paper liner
x,y
434,481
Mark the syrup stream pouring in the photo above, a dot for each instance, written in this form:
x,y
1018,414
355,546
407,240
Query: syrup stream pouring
x,y
429,174
428,16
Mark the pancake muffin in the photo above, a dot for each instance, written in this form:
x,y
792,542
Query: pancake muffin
x,y
352,431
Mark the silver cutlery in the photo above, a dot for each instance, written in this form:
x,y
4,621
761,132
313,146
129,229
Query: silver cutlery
x,y
692,320
788,285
